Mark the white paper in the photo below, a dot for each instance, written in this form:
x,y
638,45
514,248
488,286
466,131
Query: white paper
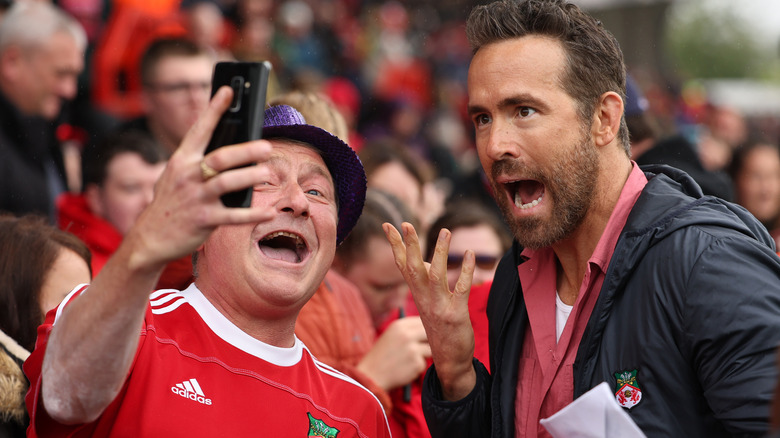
x,y
596,414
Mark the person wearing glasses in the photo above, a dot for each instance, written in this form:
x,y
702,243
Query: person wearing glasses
x,y
473,227
176,78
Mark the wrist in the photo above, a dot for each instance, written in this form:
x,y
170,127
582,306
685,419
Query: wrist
x,y
456,381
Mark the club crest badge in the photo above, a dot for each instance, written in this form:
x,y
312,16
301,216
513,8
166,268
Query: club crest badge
x,y
318,429
628,392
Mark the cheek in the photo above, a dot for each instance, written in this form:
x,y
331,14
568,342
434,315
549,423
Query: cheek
x,y
326,224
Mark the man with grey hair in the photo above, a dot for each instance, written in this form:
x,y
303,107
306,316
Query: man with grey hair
x,y
41,56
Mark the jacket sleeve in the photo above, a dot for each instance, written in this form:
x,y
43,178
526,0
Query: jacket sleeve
x,y
468,417
732,329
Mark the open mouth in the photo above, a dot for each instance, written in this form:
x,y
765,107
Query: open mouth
x,y
285,246
526,193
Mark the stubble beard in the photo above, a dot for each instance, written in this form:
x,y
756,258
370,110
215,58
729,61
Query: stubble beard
x,y
570,185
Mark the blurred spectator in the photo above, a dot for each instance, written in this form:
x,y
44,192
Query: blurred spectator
x,y
683,150
755,170
728,125
317,110
642,130
39,265
207,27
396,170
41,56
714,152
119,178
393,68
254,31
299,50
176,77
346,98
473,227
131,26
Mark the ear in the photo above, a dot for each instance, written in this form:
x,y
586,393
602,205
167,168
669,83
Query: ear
x,y
11,62
606,120
92,195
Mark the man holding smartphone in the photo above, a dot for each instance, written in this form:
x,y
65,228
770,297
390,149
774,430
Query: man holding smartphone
x,y
221,357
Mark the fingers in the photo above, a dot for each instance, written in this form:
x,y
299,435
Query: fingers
x,y
230,163
440,254
463,286
197,138
415,271
397,244
228,157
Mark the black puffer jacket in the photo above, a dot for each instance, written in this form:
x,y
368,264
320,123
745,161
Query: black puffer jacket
x,y
691,301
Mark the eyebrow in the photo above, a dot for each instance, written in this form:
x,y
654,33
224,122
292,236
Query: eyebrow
x,y
311,167
522,99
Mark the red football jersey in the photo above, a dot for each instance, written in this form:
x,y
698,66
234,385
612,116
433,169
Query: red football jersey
x,y
196,374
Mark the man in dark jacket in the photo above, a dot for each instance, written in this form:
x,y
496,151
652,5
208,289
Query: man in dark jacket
x,y
41,56
619,275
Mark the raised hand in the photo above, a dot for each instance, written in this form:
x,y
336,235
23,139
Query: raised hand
x,y
187,206
84,368
444,313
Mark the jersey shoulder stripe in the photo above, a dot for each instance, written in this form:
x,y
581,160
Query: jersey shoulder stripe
x,y
166,300
76,291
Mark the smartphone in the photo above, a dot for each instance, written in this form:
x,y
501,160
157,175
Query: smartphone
x,y
243,121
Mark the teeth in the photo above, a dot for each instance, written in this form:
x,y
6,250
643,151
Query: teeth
x,y
519,202
298,240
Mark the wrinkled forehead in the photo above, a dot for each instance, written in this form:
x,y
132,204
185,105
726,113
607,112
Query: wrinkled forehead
x,y
286,150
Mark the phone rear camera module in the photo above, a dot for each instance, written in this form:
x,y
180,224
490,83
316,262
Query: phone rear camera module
x,y
237,83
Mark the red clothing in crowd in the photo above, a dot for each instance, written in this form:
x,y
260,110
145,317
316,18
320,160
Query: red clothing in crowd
x,y
103,239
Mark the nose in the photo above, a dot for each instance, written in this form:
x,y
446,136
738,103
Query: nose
x,y
500,141
294,201
68,87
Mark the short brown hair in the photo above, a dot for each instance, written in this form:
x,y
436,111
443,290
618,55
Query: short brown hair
x,y
162,48
29,247
380,207
594,61
98,156
466,213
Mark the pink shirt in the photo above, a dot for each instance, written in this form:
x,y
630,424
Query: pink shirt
x,y
545,378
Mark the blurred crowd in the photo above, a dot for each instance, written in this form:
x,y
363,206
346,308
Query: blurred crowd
x,y
387,76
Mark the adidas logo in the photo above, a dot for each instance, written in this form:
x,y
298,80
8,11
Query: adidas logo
x,y
191,389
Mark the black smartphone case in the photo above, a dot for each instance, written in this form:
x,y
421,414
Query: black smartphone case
x,y
243,121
